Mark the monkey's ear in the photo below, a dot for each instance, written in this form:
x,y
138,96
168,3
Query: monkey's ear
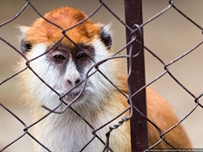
x,y
25,46
105,36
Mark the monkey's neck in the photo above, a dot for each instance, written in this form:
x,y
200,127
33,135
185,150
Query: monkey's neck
x,y
72,131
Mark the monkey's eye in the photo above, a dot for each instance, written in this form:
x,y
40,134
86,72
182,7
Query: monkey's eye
x,y
59,57
82,56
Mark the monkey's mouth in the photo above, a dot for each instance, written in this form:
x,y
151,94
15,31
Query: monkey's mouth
x,y
71,96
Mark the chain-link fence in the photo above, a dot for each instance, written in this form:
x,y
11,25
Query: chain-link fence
x,y
172,46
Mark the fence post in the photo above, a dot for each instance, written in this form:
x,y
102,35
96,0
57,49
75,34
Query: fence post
x,y
133,15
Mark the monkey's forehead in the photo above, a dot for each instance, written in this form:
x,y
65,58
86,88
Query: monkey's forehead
x,y
43,31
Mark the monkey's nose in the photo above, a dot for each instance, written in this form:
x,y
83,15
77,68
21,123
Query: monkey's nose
x,y
73,82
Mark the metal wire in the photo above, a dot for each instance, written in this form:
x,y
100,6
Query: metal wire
x,y
134,30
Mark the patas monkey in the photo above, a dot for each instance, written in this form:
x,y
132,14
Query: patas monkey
x,y
65,66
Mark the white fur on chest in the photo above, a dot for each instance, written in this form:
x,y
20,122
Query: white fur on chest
x,y
68,132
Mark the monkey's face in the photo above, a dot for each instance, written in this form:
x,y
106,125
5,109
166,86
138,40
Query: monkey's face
x,y
67,63
71,66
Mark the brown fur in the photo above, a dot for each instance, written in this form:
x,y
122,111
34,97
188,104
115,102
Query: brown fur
x,y
65,18
160,112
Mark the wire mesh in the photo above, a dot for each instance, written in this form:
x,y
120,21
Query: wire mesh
x,y
166,70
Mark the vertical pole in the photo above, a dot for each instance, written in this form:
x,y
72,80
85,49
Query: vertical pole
x,y
133,15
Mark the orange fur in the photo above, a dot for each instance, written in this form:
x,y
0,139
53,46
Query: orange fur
x,y
160,113
66,17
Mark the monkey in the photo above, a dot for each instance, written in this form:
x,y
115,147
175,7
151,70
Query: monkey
x,y
65,54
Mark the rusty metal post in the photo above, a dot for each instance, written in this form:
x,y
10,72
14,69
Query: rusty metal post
x,y
133,15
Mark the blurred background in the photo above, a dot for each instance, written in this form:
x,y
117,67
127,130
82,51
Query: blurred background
x,y
169,36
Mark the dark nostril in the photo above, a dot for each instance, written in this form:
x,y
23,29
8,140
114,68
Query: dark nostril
x,y
69,82
77,81
72,82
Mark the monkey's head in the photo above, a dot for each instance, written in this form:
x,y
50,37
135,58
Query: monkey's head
x,y
64,57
